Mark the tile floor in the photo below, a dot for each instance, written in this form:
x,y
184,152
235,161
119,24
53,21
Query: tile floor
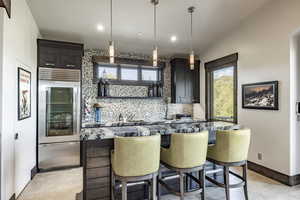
x,y
63,185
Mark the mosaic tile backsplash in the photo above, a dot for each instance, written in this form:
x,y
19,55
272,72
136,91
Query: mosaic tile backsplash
x,y
140,109
128,91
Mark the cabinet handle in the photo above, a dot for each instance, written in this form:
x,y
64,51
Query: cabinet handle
x,y
49,64
70,65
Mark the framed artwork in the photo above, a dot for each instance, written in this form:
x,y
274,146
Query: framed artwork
x,y
262,96
7,5
24,94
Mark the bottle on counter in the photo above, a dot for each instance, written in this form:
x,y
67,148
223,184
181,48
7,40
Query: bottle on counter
x,y
159,90
154,90
97,108
106,88
100,88
150,91
121,118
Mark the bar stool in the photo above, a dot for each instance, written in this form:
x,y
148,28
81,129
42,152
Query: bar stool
x,y
231,149
135,159
187,154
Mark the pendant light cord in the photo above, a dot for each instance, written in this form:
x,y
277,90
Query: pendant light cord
x,y
191,42
155,39
111,19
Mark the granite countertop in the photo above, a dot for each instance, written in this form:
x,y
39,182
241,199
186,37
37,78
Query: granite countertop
x,y
163,128
138,123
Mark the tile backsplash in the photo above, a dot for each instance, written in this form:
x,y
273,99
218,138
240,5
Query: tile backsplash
x,y
142,109
128,91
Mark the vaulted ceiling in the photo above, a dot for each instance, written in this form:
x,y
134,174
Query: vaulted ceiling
x,y
77,21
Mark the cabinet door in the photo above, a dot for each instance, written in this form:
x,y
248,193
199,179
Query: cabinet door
x,y
48,56
185,82
196,83
180,82
70,58
188,85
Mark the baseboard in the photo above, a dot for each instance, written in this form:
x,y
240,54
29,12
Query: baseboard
x,y
270,173
13,197
33,172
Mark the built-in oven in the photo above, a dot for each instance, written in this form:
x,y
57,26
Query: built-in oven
x,y
58,121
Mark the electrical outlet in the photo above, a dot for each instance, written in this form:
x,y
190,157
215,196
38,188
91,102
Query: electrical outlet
x,y
259,156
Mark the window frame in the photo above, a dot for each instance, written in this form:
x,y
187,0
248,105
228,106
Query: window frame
x,y
210,67
129,67
139,67
106,66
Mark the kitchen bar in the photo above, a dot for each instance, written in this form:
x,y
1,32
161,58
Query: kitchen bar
x,y
97,143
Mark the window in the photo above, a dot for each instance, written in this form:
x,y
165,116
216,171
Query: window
x,y
107,72
129,74
149,74
221,89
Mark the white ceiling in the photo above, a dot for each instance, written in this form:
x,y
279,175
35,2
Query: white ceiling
x,y
77,20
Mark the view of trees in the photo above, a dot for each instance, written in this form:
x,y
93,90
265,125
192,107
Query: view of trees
x,y
223,97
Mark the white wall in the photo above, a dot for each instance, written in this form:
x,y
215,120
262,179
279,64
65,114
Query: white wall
x,y
295,96
19,46
1,72
263,44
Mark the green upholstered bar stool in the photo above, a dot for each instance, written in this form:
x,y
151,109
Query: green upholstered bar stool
x,y
231,149
135,159
187,154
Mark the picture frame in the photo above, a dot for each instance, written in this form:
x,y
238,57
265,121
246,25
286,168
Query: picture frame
x,y
262,96
7,5
24,94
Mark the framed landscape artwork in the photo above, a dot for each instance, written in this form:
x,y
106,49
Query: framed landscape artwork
x,y
260,96
24,94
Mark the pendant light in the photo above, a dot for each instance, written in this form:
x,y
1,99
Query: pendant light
x,y
192,55
111,49
155,52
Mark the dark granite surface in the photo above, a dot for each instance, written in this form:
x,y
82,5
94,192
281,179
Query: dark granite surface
x,y
163,128
138,123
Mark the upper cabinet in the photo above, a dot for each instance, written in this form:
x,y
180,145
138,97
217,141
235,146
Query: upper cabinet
x,y
59,54
185,83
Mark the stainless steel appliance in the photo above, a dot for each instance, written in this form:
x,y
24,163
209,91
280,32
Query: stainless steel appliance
x,y
58,118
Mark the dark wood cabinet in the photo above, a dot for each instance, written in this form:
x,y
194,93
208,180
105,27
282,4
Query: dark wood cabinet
x,y
185,83
59,54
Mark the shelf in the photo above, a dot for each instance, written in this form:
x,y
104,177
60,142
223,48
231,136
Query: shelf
x,y
60,104
60,121
110,97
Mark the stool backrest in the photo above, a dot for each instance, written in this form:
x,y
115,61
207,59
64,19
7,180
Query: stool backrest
x,y
188,149
233,145
136,156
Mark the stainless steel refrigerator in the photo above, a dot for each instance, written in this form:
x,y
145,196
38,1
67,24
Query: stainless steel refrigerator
x,y
58,119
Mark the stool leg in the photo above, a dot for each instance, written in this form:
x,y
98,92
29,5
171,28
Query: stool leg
x,y
226,182
203,184
154,185
113,183
245,180
214,168
124,190
149,190
159,186
181,176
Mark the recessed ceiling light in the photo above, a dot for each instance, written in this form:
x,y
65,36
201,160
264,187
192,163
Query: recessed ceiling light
x,y
173,38
100,28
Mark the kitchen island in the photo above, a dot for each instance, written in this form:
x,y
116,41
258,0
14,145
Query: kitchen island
x,y
97,143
